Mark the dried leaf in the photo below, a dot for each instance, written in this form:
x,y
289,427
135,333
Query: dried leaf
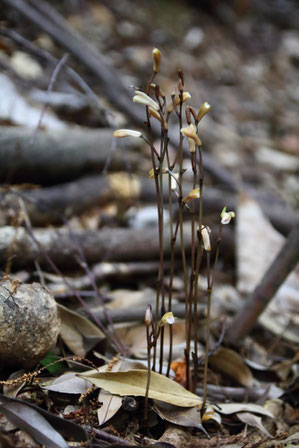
x,y
189,417
68,383
233,408
253,420
133,382
64,427
230,362
110,405
30,421
75,328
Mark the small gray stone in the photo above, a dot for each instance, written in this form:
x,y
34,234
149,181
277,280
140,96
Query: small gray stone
x,y
29,322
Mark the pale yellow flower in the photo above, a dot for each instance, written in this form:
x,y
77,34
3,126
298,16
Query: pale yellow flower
x,y
121,133
190,132
177,100
194,194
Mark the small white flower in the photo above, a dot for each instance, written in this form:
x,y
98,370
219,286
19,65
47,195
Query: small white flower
x,y
205,231
142,98
121,133
226,216
167,318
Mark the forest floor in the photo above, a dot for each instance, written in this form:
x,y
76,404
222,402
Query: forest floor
x,y
78,217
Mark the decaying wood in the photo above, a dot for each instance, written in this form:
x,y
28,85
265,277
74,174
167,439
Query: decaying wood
x,y
137,313
97,245
57,156
281,267
52,204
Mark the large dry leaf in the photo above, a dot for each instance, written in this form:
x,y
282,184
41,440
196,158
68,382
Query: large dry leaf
x,y
76,329
29,420
133,382
68,383
233,408
253,420
230,362
189,417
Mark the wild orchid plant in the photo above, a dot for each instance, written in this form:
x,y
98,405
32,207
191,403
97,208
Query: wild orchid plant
x,y
157,108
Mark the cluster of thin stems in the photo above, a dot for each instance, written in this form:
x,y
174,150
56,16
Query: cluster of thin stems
x,y
162,165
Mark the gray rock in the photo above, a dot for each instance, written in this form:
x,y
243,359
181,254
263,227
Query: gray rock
x,y
29,323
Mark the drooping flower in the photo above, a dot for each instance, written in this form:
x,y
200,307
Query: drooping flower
x,y
177,100
142,98
194,194
226,216
193,139
151,173
205,233
121,133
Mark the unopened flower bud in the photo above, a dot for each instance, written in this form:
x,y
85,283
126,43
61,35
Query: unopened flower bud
x,y
148,318
121,133
203,111
157,59
194,194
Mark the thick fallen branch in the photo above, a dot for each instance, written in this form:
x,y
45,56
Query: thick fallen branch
x,y
57,156
281,267
52,204
98,245
137,313
104,271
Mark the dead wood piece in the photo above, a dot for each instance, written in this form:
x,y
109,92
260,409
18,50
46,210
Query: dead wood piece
x,y
98,245
53,204
281,267
107,270
106,244
56,156
137,314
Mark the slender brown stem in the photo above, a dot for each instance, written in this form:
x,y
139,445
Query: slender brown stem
x,y
209,293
